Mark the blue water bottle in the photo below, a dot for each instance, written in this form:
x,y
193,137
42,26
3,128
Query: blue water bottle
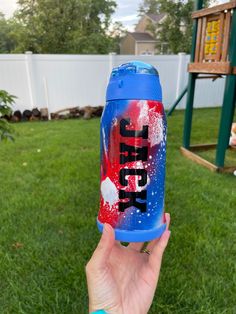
x,y
133,154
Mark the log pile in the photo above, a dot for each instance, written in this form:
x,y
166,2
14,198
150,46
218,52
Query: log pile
x,y
86,112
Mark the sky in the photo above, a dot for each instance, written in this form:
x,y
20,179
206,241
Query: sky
x,y
126,11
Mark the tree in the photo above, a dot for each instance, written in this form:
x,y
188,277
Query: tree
x,y
6,101
117,32
155,6
6,42
176,28
149,6
63,26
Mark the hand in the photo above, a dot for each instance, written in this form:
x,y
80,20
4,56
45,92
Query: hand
x,y
122,280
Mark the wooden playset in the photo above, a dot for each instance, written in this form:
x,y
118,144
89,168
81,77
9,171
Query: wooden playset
x,y
213,53
214,28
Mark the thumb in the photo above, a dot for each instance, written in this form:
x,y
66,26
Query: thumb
x,y
155,258
104,247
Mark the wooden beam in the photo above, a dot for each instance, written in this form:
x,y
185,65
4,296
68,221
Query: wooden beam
x,y
199,160
213,77
213,17
226,37
202,147
198,41
220,37
203,36
203,162
227,169
216,9
210,67
65,109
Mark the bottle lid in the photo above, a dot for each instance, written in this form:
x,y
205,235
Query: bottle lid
x,y
134,80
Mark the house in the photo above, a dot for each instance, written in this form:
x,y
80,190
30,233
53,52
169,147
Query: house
x,y
138,43
141,41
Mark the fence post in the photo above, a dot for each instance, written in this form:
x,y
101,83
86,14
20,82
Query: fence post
x,y
111,62
30,79
45,86
180,73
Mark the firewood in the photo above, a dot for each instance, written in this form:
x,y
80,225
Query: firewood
x,y
6,117
27,114
74,115
98,111
33,118
44,113
54,116
74,112
63,116
15,118
67,110
88,112
18,114
36,113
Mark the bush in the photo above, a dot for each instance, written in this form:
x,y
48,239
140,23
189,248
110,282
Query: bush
x,y
6,101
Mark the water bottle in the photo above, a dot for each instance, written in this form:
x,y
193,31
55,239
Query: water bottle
x,y
133,154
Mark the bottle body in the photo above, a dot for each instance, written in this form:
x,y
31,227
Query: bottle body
x,y
133,156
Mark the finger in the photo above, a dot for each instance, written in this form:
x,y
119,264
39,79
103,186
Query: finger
x,y
153,243
155,257
137,246
167,220
103,249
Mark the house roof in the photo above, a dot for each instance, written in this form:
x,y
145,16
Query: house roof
x,y
142,36
156,17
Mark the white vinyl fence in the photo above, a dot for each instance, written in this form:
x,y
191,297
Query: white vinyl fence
x,y
62,81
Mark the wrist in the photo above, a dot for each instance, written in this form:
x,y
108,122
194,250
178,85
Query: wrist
x,y
104,309
96,310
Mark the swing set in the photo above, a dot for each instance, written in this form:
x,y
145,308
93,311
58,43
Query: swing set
x,y
213,55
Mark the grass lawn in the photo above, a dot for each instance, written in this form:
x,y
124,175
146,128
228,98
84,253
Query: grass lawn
x,y
49,202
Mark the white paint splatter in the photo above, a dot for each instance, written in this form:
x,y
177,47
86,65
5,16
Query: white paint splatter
x,y
104,142
144,110
154,120
109,191
139,165
156,129
141,188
